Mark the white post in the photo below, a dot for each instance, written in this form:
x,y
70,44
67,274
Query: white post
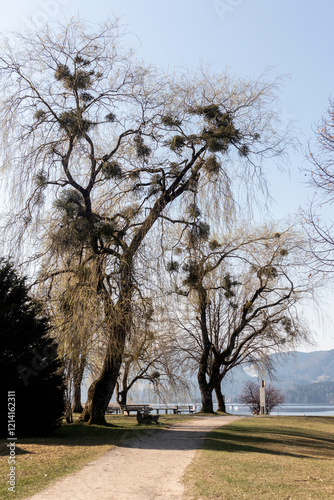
x,y
263,397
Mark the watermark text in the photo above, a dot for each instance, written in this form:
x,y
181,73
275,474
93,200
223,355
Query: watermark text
x,y
225,7
48,9
11,445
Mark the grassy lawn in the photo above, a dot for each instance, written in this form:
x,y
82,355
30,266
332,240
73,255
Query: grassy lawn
x,y
42,460
266,457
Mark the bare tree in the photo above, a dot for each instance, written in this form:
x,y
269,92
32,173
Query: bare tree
x,y
250,396
98,148
239,300
320,177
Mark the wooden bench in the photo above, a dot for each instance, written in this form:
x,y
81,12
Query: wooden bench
x,y
127,409
144,409
184,409
174,409
166,409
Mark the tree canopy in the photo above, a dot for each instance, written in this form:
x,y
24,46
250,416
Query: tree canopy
x,y
236,301
320,177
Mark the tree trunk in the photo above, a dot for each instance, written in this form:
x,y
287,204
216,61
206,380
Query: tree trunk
x,y
122,397
101,391
220,398
123,393
206,394
77,406
77,380
205,387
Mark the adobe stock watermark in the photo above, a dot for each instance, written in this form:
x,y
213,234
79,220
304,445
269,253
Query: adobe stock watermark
x,y
48,9
285,118
225,7
11,445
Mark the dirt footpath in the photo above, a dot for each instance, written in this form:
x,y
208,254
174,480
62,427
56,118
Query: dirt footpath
x,y
149,468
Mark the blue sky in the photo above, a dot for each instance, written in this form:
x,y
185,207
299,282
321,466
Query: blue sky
x,y
294,37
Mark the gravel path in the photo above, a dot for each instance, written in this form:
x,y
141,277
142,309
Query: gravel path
x,y
149,468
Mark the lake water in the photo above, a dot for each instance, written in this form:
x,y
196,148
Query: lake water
x,y
317,410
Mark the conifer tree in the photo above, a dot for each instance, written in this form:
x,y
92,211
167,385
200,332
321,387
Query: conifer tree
x,y
29,365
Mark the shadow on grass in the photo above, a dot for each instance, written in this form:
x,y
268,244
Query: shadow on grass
x,y
233,438
83,434
254,436
295,432
18,451
80,434
119,430
301,432
88,435
279,439
224,442
127,433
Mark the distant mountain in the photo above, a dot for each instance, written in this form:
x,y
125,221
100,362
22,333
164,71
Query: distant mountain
x,y
292,372
301,368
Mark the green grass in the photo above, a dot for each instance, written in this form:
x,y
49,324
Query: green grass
x,y
40,461
266,457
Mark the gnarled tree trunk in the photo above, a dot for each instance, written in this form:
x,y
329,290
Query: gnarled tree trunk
x,y
101,390
205,387
206,392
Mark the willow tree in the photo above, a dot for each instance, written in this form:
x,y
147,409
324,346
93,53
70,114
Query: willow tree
x,y
79,326
97,147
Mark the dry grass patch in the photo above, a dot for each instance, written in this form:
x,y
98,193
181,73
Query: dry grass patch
x,y
266,457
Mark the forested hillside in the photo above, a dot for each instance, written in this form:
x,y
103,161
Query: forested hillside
x,y
318,392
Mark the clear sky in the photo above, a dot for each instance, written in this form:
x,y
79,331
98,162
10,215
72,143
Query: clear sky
x,y
295,37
